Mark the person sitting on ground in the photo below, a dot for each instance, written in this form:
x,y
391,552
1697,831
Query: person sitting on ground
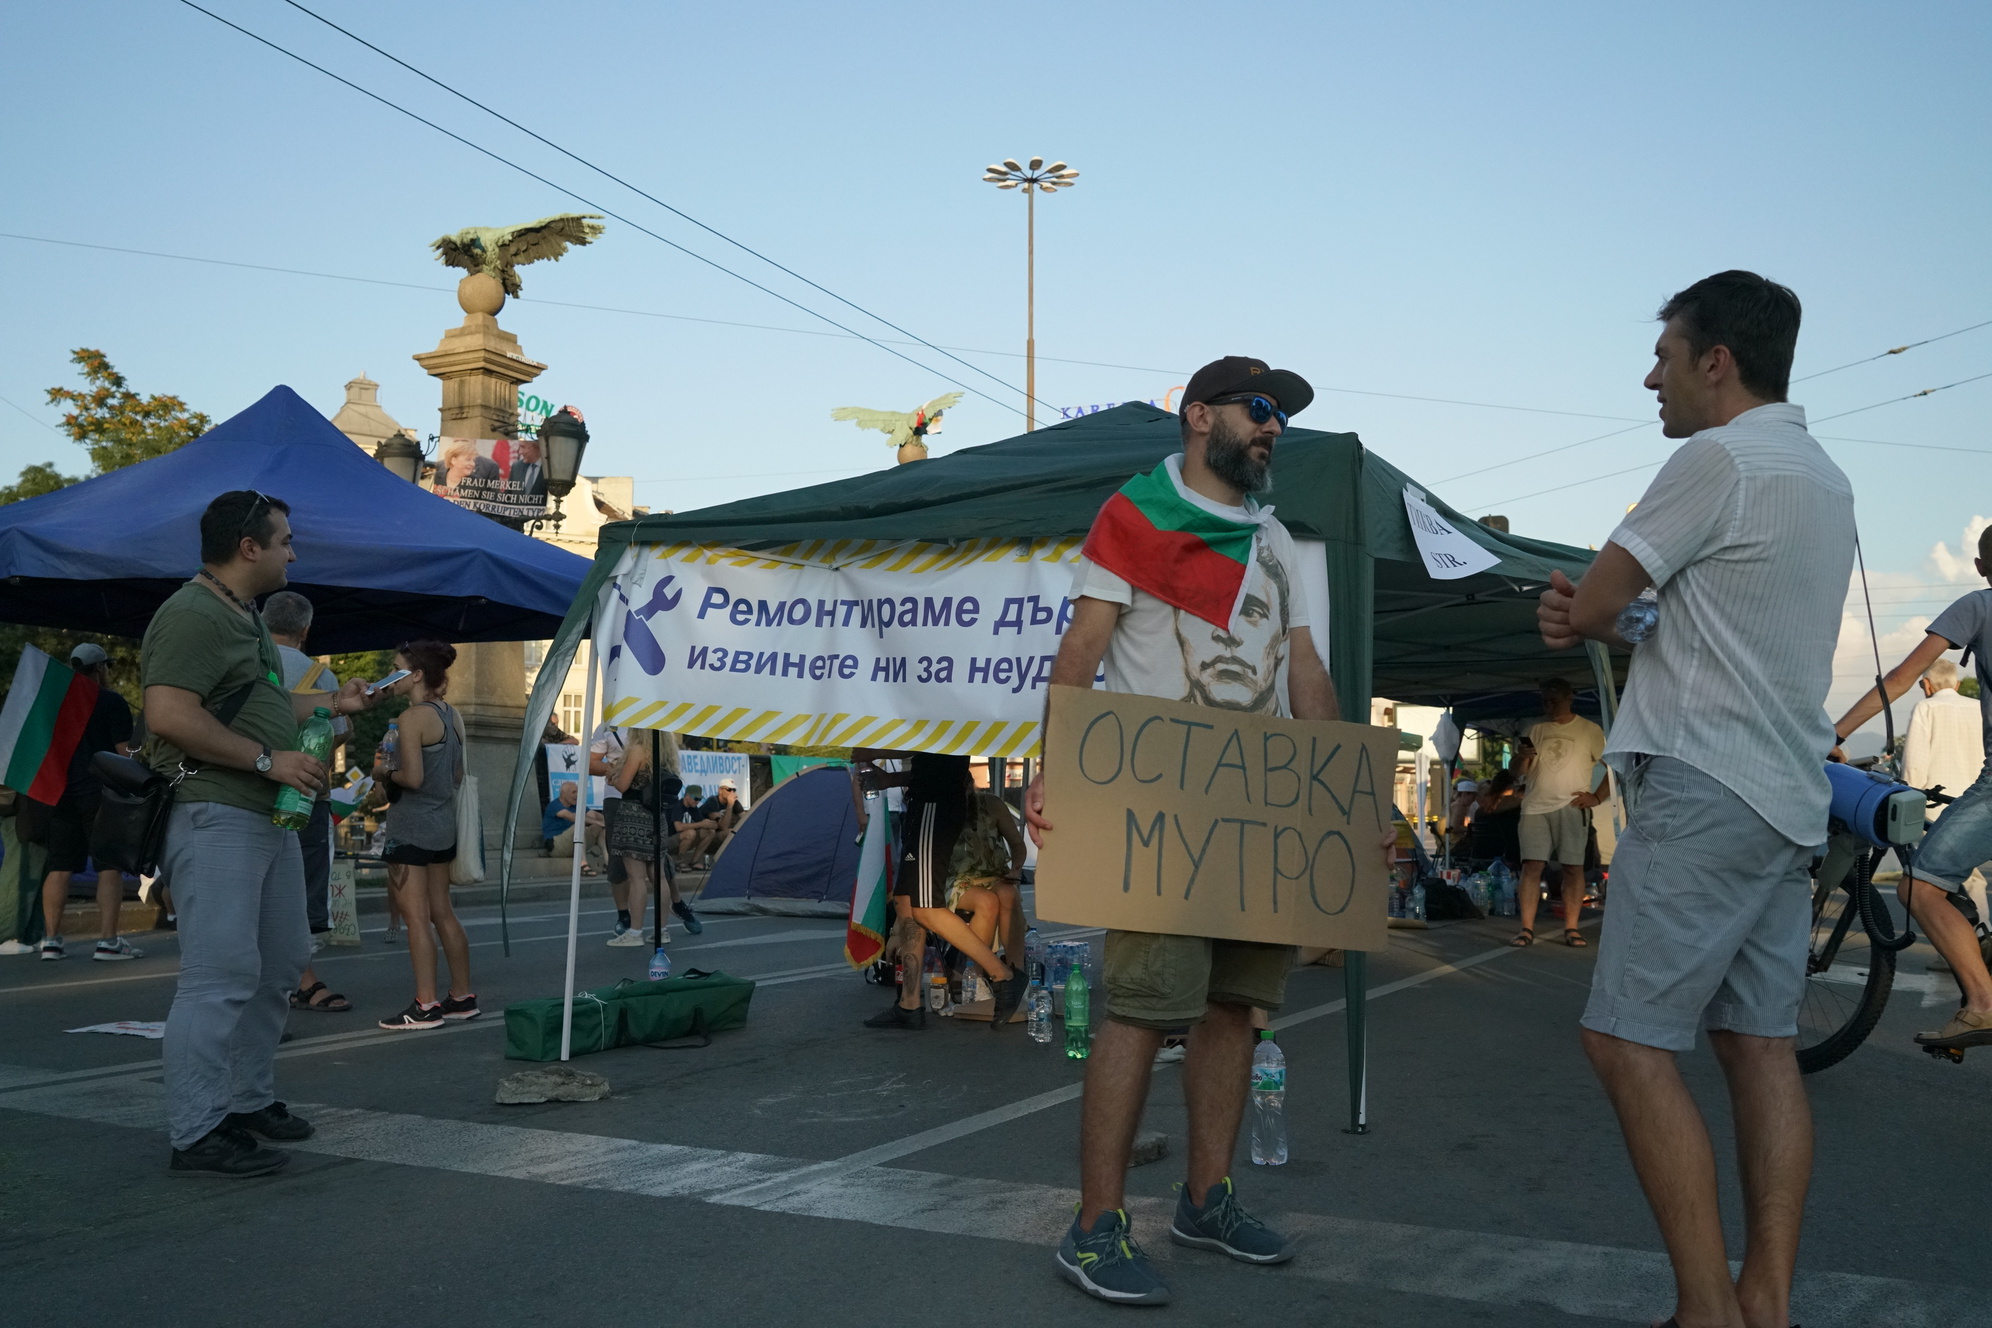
x,y
937,810
557,827
1556,811
1494,832
987,870
68,823
719,816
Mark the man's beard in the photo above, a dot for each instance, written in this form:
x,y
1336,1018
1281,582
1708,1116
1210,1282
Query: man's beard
x,y
1229,456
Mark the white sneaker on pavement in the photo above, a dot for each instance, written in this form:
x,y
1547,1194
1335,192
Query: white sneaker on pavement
x,y
116,949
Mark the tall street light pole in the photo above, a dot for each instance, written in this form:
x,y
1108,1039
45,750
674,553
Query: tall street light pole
x,y
1032,179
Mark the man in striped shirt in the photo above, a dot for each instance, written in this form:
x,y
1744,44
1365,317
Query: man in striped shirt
x,y
1747,535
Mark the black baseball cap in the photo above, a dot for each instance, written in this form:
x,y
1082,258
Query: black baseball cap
x,y
1241,373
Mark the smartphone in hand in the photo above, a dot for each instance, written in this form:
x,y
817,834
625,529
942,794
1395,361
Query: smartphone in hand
x,y
388,681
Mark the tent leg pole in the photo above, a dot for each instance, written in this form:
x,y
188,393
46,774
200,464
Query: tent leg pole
x,y
582,802
657,838
1355,987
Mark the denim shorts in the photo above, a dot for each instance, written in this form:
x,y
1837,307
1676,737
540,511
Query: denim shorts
x,y
1709,919
1959,842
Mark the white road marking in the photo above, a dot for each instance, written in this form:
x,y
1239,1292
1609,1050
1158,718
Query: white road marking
x,y
1477,1267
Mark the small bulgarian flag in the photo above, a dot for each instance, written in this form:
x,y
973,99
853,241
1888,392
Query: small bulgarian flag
x,y
871,897
1151,536
347,796
40,725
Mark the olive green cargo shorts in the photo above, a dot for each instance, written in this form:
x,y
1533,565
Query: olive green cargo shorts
x,y
1165,982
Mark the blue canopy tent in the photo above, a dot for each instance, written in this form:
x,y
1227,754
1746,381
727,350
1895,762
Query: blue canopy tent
x,y
381,559
795,855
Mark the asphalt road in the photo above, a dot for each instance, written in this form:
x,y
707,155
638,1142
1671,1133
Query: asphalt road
x,y
806,1170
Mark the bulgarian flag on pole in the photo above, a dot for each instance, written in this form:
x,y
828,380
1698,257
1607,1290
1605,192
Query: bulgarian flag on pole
x,y
871,900
40,725
1153,537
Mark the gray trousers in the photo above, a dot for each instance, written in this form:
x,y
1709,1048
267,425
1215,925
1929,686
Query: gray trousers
x,y
238,885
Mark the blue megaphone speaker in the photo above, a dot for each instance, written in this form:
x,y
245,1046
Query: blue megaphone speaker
x,y
1882,811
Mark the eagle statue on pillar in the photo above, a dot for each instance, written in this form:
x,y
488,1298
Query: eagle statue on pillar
x,y
500,251
907,430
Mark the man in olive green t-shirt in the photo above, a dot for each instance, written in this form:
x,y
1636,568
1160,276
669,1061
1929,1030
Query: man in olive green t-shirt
x,y
237,877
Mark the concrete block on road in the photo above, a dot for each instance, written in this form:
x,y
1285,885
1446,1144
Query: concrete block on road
x,y
551,1083
1149,1146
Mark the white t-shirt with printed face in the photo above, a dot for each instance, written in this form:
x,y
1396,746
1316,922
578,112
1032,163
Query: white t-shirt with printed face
x,y
1160,650
1566,763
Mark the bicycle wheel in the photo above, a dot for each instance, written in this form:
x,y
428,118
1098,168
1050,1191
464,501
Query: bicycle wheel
x,y
1847,979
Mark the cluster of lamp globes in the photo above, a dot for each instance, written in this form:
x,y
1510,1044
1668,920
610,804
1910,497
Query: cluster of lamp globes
x,y
1008,175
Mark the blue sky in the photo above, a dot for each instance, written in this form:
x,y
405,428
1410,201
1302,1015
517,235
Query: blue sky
x,y
1477,203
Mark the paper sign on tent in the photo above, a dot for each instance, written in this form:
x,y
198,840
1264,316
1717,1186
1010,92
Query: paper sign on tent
x,y
1448,554
1197,821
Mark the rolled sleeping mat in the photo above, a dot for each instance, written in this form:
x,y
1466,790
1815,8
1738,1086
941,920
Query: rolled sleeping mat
x,y
1884,812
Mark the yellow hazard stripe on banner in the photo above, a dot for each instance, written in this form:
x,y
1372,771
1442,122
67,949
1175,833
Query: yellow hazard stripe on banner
x,y
790,729
912,556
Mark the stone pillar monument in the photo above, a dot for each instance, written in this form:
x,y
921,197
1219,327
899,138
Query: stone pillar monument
x,y
482,367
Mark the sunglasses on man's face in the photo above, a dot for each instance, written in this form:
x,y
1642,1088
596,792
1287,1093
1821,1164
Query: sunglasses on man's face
x,y
1257,407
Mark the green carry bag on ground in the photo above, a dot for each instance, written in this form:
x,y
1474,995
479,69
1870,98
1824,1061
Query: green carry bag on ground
x,y
631,1013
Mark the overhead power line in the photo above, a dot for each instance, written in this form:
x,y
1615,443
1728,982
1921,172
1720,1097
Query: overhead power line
x,y
757,327
1926,341
607,211
1928,391
641,193
36,418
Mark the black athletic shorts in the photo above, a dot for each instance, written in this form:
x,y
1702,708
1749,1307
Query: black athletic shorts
x,y
407,855
69,824
927,842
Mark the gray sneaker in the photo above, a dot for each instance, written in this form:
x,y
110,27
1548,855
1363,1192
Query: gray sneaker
x,y
1106,1263
1222,1225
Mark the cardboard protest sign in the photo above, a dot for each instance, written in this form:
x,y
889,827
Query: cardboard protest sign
x,y
1199,821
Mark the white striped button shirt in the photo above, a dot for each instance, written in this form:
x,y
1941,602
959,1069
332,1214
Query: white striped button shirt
x,y
1748,534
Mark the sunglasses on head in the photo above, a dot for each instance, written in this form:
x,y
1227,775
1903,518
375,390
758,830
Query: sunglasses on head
x,y
256,509
1257,407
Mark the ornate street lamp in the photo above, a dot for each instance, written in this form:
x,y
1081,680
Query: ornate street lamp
x,y
563,439
402,456
1034,178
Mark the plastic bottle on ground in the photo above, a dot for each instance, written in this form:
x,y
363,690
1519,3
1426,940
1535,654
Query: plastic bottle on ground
x,y
1269,1135
293,810
1037,1012
1033,954
1415,902
660,965
937,986
1078,1016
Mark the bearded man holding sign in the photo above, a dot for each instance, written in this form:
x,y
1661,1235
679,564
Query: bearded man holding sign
x,y
1186,591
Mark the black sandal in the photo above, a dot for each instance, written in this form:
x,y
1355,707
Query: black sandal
x,y
1575,939
333,1003
1524,938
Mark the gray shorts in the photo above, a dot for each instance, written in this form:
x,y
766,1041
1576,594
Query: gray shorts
x,y
1709,919
1557,836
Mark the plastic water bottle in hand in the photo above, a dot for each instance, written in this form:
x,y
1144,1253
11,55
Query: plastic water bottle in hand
x,y
1078,1015
293,810
1269,1136
1639,619
1037,1012
660,965
390,745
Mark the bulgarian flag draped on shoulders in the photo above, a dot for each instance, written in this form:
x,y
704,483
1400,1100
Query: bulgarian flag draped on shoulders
x,y
1185,555
44,717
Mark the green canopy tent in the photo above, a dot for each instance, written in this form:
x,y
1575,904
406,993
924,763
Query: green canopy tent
x,y
1428,642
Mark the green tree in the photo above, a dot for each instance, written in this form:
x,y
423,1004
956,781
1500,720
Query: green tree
x,y
369,725
117,427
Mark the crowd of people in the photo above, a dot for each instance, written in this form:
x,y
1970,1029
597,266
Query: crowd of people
x,y
1745,536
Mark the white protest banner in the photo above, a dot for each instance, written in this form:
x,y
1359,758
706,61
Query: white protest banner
x,y
706,769
1448,554
563,763
914,646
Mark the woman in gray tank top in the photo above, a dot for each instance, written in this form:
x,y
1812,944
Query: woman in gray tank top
x,y
422,832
